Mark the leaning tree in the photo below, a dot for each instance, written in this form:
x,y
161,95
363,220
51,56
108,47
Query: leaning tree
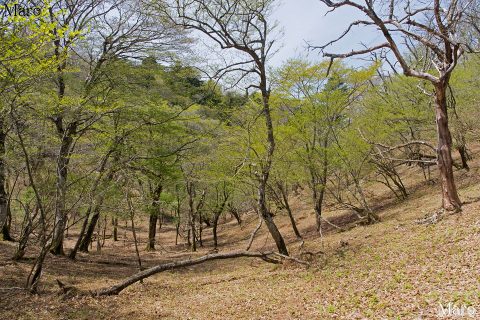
x,y
241,26
425,40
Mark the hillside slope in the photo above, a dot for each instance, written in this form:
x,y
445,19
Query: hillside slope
x,y
399,268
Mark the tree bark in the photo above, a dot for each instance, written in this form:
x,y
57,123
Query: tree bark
x,y
284,193
262,197
3,190
318,197
450,198
115,229
62,175
152,225
216,216
84,244
152,231
462,150
319,183
235,213
215,225
116,289
74,251
24,236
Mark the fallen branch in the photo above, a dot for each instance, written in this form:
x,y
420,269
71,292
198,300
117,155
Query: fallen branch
x,y
116,289
431,219
291,258
12,288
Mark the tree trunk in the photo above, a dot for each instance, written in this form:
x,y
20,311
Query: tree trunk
x,y
6,233
371,216
90,230
36,272
134,233
216,215
81,235
284,193
462,150
152,226
215,224
7,225
319,184
25,235
152,231
62,175
115,229
262,199
318,207
200,229
235,213
3,190
451,200
116,289
192,232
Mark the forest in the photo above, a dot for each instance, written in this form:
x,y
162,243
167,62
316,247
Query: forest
x,y
155,163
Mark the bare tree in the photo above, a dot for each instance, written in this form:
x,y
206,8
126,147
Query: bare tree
x,y
409,26
242,26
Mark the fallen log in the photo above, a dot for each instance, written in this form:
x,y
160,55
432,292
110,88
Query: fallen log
x,y
117,288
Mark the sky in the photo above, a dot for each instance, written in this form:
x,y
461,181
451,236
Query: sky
x,y
304,21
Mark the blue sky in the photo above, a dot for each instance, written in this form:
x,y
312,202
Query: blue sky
x,y
305,21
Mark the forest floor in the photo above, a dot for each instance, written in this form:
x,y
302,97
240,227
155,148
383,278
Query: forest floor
x,y
398,268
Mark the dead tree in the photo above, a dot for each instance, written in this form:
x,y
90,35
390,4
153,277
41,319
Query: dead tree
x,y
241,26
432,29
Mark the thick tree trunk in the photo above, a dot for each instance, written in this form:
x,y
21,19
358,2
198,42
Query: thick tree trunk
x,y
6,233
271,226
152,226
152,231
451,200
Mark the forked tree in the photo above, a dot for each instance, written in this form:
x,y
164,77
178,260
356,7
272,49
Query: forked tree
x,y
409,27
243,26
